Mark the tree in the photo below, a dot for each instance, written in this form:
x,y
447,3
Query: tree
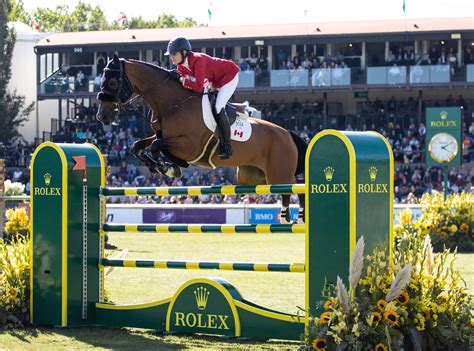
x,y
18,13
85,17
13,109
53,20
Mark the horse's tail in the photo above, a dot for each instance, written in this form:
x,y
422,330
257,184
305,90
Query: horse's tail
x,y
301,145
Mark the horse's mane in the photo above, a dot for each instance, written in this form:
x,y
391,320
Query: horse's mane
x,y
151,65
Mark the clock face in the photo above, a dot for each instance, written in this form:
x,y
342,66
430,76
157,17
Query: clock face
x,y
443,147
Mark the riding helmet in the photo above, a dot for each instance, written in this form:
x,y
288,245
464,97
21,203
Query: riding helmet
x,y
178,44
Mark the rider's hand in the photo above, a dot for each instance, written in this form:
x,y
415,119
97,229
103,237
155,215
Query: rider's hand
x,y
175,75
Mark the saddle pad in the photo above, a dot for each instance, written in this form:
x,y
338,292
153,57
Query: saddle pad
x,y
240,130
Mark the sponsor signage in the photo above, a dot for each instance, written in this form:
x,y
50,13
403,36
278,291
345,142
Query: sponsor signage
x,y
184,215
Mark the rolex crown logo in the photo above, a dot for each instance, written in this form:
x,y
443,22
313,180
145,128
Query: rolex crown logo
x,y
47,178
201,294
373,173
328,173
443,114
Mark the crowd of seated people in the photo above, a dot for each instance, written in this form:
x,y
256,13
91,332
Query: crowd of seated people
x,y
281,61
412,177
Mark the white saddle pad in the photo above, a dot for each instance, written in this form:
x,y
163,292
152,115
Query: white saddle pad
x,y
241,130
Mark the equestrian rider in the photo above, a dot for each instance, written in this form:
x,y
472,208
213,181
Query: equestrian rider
x,y
195,69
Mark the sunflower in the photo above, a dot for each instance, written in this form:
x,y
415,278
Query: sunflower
x,y
329,305
427,313
377,317
391,316
404,298
381,304
453,228
464,227
381,347
319,344
472,322
324,318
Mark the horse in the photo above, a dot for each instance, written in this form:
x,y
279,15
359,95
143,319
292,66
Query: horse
x,y
272,154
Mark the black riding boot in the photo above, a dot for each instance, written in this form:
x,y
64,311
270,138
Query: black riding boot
x,y
225,150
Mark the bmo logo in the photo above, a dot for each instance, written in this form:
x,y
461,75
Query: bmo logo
x,y
265,216
269,215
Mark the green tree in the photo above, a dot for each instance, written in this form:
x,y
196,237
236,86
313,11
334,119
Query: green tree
x,y
18,12
85,17
13,109
53,20
188,22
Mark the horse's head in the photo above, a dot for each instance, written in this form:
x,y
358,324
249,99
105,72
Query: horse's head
x,y
115,90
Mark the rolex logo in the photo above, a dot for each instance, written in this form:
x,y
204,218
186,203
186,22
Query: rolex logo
x,y
47,178
443,114
373,173
328,173
201,294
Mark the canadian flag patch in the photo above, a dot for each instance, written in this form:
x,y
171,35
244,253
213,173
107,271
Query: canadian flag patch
x,y
241,130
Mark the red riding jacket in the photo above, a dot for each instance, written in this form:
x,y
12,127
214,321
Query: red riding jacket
x,y
201,67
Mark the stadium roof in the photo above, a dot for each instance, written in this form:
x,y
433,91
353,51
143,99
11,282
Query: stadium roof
x,y
320,29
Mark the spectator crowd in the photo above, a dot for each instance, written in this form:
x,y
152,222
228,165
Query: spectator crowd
x,y
407,138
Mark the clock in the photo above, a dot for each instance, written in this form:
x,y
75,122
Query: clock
x,y
443,147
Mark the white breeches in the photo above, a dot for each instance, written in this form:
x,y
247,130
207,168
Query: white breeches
x,y
225,93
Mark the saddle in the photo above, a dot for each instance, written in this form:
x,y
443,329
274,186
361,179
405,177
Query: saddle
x,y
233,111
231,108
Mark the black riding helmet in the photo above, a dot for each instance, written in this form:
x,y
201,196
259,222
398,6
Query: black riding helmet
x,y
178,44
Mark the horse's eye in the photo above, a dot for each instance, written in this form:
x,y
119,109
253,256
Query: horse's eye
x,y
113,83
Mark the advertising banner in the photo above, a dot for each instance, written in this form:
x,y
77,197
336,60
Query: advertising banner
x,y
184,215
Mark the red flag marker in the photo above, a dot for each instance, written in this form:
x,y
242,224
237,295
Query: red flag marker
x,y
80,164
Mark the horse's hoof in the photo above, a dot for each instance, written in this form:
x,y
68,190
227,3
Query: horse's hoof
x,y
174,172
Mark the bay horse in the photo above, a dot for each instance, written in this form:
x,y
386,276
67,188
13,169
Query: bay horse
x,y
272,154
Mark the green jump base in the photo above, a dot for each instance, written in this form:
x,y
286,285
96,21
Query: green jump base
x,y
229,315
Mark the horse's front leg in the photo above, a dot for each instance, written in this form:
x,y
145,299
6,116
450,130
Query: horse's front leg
x,y
139,148
167,168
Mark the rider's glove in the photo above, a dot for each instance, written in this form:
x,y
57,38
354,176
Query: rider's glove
x,y
175,75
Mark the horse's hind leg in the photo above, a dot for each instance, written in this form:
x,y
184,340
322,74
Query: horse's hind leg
x,y
282,172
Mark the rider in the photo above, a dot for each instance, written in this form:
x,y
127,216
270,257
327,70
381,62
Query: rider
x,y
195,69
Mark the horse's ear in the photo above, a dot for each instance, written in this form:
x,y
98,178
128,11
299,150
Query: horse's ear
x,y
115,59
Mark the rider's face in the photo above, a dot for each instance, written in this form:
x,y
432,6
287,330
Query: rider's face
x,y
176,58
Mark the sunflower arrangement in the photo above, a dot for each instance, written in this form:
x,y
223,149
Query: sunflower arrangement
x,y
448,222
17,223
14,282
416,300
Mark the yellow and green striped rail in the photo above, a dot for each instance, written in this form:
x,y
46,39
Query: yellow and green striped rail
x,y
206,228
226,266
208,190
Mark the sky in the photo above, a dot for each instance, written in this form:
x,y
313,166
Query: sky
x,y
242,12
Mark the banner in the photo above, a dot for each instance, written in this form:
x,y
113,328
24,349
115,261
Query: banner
x,y
184,215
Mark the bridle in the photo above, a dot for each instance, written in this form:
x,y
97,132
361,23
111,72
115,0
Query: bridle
x,y
118,89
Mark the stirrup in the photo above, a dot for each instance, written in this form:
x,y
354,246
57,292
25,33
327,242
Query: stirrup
x,y
225,152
